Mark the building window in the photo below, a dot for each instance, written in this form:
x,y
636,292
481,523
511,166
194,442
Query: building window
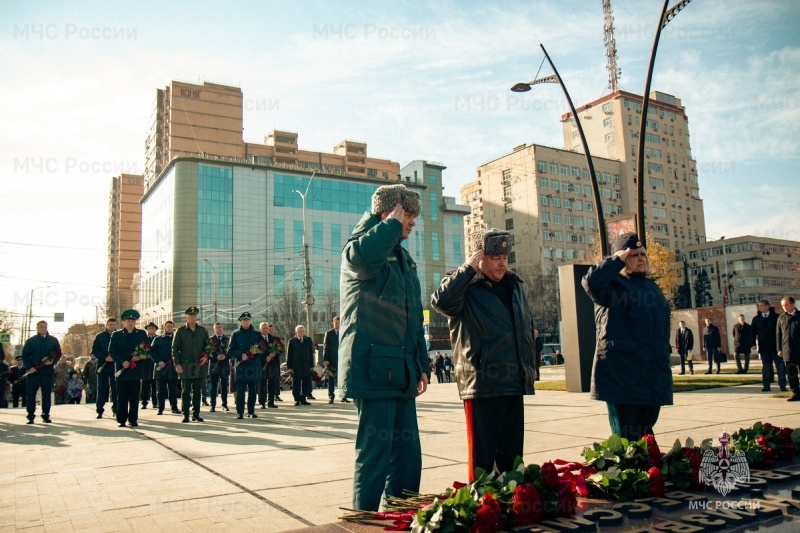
x,y
457,248
512,257
565,170
542,183
280,243
432,180
544,199
556,218
609,137
544,216
508,208
336,238
554,168
589,206
559,236
506,174
576,172
317,238
559,253
555,201
435,245
577,205
541,166
547,252
509,223
606,193
372,172
607,123
587,190
278,275
554,184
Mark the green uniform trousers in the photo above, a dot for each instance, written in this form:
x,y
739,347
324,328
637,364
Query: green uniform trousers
x,y
388,452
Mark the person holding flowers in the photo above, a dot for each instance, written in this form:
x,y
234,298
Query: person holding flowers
x,y
148,383
165,375
246,347
190,358
220,367
105,369
631,370
39,353
493,343
128,347
275,349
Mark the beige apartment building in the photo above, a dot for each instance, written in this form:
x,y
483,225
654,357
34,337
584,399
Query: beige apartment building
x,y
758,268
124,241
205,120
544,196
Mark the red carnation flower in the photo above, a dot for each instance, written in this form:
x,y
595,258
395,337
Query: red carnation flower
x,y
457,485
656,485
550,475
786,434
488,519
766,425
566,500
769,458
694,461
762,441
527,506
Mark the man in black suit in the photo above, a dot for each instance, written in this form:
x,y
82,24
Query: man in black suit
x,y
711,344
684,342
742,338
330,357
273,370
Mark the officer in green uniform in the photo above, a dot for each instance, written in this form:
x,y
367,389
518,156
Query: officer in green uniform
x,y
188,353
383,361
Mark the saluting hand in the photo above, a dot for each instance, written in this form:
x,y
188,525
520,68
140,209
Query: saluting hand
x,y
475,259
397,213
623,254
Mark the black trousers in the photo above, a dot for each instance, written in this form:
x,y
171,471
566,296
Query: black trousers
x,y
632,421
262,387
34,382
793,376
105,382
17,392
167,388
711,355
250,387
746,358
299,388
273,384
191,393
149,390
495,432
684,360
128,391
216,381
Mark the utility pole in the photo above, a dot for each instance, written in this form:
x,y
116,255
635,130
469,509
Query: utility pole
x,y
308,282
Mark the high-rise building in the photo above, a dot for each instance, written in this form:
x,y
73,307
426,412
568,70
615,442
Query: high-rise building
x,y
227,236
543,195
124,241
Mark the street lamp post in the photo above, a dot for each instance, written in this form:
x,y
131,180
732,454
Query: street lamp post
x,y
216,287
666,17
555,78
725,292
309,282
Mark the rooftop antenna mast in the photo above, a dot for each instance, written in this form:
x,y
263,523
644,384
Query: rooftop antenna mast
x,y
614,71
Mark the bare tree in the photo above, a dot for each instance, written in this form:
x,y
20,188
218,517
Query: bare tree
x,y
542,292
288,312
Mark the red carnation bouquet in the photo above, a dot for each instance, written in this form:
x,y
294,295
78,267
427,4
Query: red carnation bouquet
x,y
253,351
142,351
46,359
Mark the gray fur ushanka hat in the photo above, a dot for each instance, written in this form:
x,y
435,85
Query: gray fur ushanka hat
x,y
388,196
492,241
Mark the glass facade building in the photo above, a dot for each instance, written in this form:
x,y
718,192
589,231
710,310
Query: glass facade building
x,y
227,236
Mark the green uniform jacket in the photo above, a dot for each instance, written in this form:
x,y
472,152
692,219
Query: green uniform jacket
x,y
382,352
187,348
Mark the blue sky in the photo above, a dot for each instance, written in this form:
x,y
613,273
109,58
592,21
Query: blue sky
x,y
414,80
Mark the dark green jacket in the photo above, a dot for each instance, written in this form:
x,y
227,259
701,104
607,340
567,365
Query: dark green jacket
x,y
187,349
37,348
382,352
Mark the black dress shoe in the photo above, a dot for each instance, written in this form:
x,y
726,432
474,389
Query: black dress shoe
x,y
765,389
176,412
345,400
121,425
304,403
309,397
30,421
46,419
330,400
252,415
212,410
185,420
794,397
278,398
297,403
691,371
707,373
144,406
225,408
783,389
99,416
134,424
205,403
272,406
239,417
681,373
198,418
160,412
